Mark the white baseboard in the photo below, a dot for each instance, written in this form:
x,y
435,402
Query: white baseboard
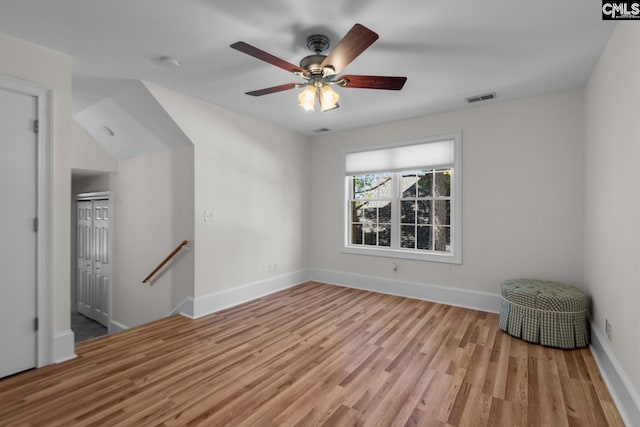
x,y
624,395
63,346
217,301
476,300
115,327
185,308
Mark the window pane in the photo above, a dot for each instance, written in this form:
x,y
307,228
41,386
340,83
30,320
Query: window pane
x,y
384,187
384,235
357,213
384,213
442,212
443,183
425,184
370,214
442,239
408,237
409,184
356,234
424,238
424,211
408,212
369,236
357,187
372,186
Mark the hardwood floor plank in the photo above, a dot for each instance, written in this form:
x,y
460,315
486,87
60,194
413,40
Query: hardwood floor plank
x,y
315,354
410,403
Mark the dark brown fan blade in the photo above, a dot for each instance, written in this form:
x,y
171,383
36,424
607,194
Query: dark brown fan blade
x,y
266,57
374,82
353,44
274,89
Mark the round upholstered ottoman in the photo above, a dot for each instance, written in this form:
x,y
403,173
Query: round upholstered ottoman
x,y
549,313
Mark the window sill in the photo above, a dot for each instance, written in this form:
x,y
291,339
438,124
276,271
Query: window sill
x,y
404,254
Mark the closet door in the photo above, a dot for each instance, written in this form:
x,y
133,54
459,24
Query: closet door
x,y
101,262
94,259
84,262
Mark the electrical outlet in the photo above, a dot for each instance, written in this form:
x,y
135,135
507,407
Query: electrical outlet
x,y
608,329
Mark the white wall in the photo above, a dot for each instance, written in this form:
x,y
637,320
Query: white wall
x,y
87,154
88,184
153,213
522,194
52,70
612,205
254,177
182,226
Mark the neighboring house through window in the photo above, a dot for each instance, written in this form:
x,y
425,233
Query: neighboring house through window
x,y
405,201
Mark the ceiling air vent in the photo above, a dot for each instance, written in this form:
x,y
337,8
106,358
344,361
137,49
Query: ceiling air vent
x,y
321,130
483,97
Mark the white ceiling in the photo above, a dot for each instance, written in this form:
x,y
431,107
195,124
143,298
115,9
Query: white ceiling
x,y
448,50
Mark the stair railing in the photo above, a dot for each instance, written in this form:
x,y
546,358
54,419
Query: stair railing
x,y
166,260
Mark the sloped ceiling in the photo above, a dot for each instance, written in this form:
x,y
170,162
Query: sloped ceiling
x,y
131,123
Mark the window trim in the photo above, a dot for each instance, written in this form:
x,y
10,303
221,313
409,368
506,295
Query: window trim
x,y
455,256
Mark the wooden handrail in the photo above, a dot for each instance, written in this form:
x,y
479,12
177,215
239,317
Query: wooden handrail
x,y
166,260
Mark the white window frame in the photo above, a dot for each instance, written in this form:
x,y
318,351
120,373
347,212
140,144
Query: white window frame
x,y
453,257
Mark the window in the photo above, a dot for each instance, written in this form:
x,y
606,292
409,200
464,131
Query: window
x,y
371,209
404,202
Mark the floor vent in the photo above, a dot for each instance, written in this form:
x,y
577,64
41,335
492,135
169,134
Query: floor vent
x,y
483,97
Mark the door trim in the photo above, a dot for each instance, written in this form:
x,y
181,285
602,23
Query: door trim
x,y
44,240
101,195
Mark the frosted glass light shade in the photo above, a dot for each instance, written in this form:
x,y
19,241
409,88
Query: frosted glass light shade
x,y
328,98
307,98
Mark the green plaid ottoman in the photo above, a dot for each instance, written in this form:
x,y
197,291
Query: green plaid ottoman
x,y
548,313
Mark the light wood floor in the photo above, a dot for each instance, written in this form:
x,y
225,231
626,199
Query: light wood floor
x,y
315,355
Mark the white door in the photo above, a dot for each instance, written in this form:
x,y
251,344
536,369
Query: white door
x,y
93,258
18,209
101,261
85,256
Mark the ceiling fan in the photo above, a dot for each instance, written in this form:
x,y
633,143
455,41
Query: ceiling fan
x,y
320,72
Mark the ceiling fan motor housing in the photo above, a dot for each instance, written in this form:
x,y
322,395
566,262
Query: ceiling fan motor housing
x,y
312,63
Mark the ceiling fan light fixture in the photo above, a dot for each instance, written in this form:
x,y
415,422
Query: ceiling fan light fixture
x,y
328,98
322,71
307,98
